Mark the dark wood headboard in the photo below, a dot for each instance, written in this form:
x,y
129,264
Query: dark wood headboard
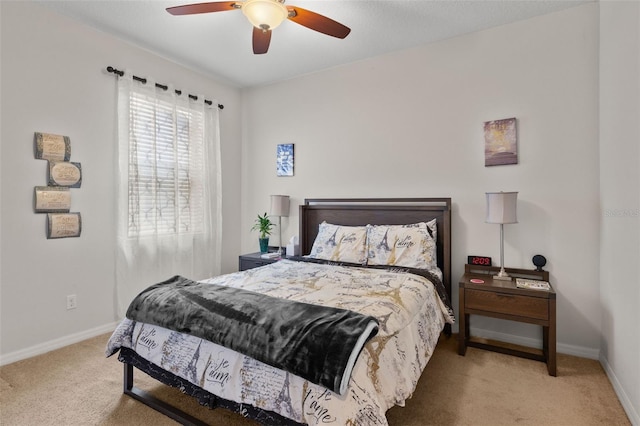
x,y
380,211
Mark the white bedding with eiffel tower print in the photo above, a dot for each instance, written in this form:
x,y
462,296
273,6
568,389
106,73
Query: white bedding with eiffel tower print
x,y
407,306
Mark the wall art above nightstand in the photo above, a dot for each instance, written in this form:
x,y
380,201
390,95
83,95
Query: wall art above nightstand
x,y
500,142
284,159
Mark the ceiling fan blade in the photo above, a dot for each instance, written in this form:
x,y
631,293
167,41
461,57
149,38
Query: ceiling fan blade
x,y
261,40
191,9
317,22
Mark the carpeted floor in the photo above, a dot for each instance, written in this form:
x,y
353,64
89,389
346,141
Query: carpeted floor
x,y
77,385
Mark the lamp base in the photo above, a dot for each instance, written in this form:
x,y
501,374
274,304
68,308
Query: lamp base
x,y
502,275
498,277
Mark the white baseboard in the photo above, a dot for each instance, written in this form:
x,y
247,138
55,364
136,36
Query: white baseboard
x,y
632,412
563,348
56,344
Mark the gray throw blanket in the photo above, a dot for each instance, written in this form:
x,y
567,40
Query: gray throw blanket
x,y
317,343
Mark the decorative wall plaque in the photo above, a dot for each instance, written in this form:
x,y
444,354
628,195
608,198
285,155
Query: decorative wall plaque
x,y
64,173
51,199
63,225
52,147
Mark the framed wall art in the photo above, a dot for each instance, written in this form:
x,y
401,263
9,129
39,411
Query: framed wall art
x,y
51,199
500,142
55,198
63,225
284,159
52,147
64,173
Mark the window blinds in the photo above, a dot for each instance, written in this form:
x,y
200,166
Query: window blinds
x,y
166,169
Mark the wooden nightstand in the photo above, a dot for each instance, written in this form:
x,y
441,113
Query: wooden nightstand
x,y
502,299
253,260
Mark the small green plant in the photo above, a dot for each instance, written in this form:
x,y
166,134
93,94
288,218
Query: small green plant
x,y
263,225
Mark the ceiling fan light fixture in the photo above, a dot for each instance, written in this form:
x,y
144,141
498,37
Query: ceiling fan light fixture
x,y
265,14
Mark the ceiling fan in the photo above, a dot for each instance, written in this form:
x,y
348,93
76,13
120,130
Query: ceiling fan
x,y
266,15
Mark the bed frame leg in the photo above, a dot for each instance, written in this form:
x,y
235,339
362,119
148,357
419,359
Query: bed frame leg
x,y
155,403
128,378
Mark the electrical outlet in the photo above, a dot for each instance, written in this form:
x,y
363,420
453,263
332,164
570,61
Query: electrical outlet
x,y
72,302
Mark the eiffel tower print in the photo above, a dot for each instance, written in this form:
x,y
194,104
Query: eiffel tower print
x,y
332,240
384,243
283,401
191,369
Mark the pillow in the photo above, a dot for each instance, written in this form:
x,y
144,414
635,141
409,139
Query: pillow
x,y
412,246
340,243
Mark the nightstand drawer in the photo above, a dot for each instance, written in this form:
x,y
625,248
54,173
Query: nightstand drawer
x,y
508,304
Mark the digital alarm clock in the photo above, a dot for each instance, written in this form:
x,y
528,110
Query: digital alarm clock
x,y
479,260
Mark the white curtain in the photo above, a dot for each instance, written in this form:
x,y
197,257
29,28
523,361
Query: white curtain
x,y
170,224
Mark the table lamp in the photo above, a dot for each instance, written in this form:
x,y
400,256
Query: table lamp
x,y
280,208
501,208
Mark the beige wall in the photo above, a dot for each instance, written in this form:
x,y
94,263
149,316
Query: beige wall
x,y
620,198
410,124
53,81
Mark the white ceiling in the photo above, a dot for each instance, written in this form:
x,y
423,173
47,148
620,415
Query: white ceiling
x,y
219,44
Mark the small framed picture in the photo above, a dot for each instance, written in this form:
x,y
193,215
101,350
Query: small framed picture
x,y
63,225
51,199
64,173
52,147
500,142
284,159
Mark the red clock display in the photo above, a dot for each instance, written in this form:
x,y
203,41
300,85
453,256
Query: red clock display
x,y
479,260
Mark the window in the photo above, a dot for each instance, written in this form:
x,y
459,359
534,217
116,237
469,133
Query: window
x,y
166,167
168,180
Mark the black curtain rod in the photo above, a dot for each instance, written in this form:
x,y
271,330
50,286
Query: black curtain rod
x,y
158,85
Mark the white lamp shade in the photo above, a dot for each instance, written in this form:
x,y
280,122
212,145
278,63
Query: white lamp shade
x,y
265,14
280,205
502,207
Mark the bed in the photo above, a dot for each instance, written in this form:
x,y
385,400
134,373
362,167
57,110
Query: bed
x,y
402,309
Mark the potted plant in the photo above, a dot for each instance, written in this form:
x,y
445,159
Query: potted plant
x,y
263,225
